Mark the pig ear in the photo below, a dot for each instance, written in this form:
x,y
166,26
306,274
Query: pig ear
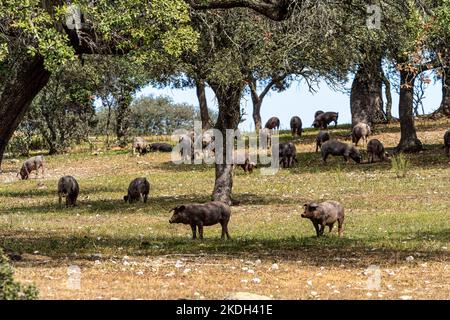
x,y
181,208
313,206
305,205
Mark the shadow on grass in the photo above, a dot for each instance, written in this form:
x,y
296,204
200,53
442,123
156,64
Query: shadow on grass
x,y
328,250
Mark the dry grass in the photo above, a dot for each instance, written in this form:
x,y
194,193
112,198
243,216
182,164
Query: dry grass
x,y
131,251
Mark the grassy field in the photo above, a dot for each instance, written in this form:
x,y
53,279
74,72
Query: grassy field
x,y
402,226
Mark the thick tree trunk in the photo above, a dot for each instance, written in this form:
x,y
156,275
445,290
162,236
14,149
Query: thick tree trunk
x,y
228,98
17,94
444,108
408,139
203,104
366,100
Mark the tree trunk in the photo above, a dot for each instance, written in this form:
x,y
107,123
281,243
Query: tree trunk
x,y
203,104
408,139
444,108
257,115
228,98
17,94
366,100
387,89
123,105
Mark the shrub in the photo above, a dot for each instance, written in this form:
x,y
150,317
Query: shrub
x,y
9,288
400,165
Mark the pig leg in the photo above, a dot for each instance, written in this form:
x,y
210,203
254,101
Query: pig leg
x,y
330,226
316,226
317,147
340,223
145,197
194,231
60,198
200,230
322,228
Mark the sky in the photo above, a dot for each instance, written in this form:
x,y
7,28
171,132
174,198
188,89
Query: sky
x,y
297,100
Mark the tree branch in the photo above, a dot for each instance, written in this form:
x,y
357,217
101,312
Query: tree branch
x,y
274,9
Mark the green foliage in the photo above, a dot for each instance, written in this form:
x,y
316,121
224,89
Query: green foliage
x,y
63,113
9,288
400,165
150,115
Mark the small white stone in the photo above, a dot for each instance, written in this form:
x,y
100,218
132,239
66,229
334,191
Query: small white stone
x,y
274,267
410,258
187,270
256,280
405,297
170,274
309,282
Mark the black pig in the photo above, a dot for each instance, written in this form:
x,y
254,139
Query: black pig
x,y
200,215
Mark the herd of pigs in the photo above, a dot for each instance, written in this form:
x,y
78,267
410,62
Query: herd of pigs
x,y
199,215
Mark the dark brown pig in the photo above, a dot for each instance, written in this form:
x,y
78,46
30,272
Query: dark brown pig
x,y
68,188
376,148
324,119
337,148
273,123
324,214
138,189
288,154
321,138
447,142
296,126
200,215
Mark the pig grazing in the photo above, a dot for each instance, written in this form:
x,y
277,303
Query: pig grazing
x,y
138,189
296,126
31,164
68,188
273,123
324,119
360,131
447,142
200,215
324,214
337,148
322,137
376,148
139,145
248,166
288,154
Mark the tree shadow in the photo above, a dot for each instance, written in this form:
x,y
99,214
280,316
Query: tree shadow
x,y
328,250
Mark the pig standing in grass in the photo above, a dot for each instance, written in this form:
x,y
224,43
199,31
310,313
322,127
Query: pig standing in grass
x,y
447,142
321,138
337,148
324,214
273,123
324,119
288,154
376,148
296,126
31,164
200,215
360,131
138,189
139,145
68,188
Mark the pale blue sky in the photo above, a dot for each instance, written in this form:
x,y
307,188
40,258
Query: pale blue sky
x,y
297,100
